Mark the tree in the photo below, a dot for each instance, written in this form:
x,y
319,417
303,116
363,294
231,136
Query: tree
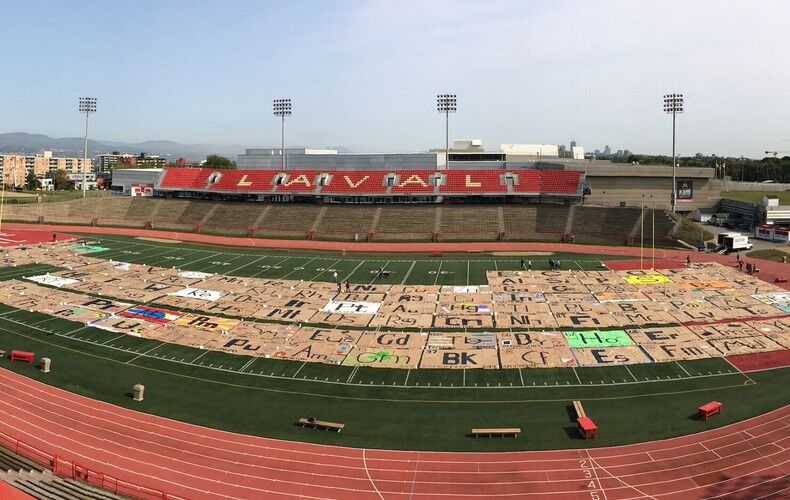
x,y
62,180
31,183
217,161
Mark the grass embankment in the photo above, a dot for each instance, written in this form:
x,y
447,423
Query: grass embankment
x,y
757,196
776,255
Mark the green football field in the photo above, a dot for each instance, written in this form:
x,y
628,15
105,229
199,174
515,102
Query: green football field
x,y
388,408
424,268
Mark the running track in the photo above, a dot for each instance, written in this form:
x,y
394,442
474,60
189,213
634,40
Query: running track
x,y
750,459
747,460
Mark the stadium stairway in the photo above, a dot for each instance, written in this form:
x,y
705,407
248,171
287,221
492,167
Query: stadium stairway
x,y
14,462
46,486
37,481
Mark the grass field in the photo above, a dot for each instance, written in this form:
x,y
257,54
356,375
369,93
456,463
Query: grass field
x,y
424,269
389,408
757,196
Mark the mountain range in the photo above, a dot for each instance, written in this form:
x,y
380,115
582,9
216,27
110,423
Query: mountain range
x,y
24,143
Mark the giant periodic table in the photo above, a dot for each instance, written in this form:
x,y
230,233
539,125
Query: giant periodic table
x,y
519,319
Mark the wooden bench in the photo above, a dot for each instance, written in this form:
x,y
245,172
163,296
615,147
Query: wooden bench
x,y
709,409
577,405
515,431
320,424
22,356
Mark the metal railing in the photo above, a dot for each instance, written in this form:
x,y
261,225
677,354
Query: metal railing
x,y
68,468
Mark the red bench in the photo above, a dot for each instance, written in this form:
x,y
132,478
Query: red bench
x,y
709,409
22,356
586,426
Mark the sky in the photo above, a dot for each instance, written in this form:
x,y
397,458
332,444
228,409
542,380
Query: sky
x,y
364,74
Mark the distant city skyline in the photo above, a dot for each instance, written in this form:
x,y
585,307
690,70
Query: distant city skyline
x,y
365,74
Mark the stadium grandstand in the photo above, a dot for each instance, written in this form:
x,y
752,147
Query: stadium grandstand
x,y
523,193
426,186
469,174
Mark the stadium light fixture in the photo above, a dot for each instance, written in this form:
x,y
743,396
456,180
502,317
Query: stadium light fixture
x,y
673,104
446,103
282,108
87,106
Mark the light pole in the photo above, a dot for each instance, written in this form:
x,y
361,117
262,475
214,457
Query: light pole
x,y
445,103
673,104
87,106
282,108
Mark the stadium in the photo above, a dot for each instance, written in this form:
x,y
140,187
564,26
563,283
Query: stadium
x,y
390,326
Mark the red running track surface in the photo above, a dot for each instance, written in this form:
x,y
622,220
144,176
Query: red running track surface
x,y
750,459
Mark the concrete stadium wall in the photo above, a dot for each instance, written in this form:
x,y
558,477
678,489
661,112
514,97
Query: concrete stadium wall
x,y
626,185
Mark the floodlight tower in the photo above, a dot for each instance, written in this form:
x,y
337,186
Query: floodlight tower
x,y
446,103
673,104
87,106
282,108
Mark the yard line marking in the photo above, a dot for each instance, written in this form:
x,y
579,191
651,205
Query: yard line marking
x,y
413,263
201,355
43,321
300,369
182,255
263,270
215,254
304,265
406,382
577,375
145,353
114,338
246,265
148,256
681,367
247,364
629,372
436,280
318,277
467,273
354,270
521,376
351,375
228,260
66,334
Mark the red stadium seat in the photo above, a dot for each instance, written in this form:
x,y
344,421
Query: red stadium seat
x,y
473,181
185,178
302,181
560,181
528,181
414,181
244,180
358,182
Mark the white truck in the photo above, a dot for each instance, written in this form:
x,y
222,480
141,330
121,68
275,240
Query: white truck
x,y
734,242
